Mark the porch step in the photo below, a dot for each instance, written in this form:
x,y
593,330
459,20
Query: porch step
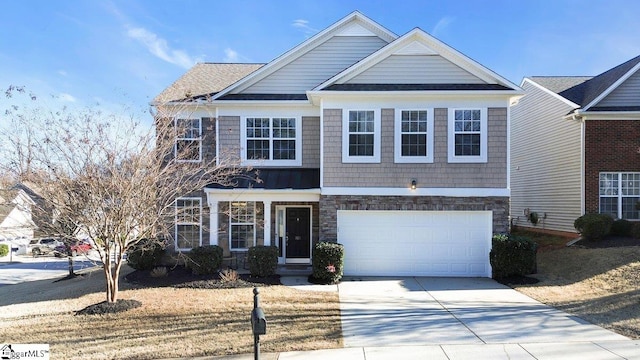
x,y
294,270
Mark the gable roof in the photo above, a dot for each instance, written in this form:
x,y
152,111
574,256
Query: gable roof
x,y
418,42
353,24
587,91
205,79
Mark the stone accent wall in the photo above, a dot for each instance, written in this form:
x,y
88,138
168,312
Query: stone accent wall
x,y
610,145
329,206
439,174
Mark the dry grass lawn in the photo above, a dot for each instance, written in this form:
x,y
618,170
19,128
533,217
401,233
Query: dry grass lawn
x,y
599,285
171,323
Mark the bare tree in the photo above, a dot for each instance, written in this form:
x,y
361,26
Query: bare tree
x,y
115,180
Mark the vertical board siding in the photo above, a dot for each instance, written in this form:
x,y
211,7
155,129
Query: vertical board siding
x,y
317,65
627,94
545,161
415,69
439,174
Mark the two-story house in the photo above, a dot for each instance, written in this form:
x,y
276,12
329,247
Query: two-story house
x,y
395,146
576,148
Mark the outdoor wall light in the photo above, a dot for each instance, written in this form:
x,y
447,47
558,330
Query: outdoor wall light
x,y
413,184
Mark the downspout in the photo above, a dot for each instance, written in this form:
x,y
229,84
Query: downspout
x,y
576,115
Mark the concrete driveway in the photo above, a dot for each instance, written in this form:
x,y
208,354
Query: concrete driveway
x,y
385,312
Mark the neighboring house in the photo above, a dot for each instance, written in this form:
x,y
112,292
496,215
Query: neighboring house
x,y
16,221
576,148
395,146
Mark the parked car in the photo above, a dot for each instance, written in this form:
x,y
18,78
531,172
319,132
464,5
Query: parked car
x,y
77,247
43,246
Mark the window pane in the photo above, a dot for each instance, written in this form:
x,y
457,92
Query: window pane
x,y
188,236
631,184
609,205
467,144
284,149
608,184
361,145
629,210
188,149
241,236
414,145
257,149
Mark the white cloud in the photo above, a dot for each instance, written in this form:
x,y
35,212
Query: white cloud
x,y
159,47
62,73
230,55
304,26
64,97
441,25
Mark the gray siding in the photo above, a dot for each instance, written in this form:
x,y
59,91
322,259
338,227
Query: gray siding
x,y
317,65
311,142
545,161
415,69
229,134
440,174
627,94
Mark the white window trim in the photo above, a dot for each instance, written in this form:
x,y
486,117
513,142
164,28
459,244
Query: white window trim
x,y
231,223
398,139
618,197
482,158
377,138
268,162
198,139
175,242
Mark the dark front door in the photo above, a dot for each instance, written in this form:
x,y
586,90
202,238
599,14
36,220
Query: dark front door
x,y
298,223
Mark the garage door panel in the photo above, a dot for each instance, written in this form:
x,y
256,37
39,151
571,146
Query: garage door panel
x,y
416,243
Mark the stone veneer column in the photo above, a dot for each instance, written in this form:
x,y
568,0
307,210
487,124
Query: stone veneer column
x,y
267,223
213,222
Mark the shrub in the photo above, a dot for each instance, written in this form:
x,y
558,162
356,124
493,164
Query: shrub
x,y
263,260
4,250
328,262
146,254
512,255
593,226
159,272
635,230
205,259
621,227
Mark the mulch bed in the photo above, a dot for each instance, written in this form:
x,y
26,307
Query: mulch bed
x,y
517,280
109,308
181,277
608,242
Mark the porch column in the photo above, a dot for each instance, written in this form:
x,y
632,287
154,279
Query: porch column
x,y
213,222
267,223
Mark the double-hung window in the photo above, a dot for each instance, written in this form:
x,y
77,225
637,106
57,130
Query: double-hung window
x,y
361,136
188,220
242,225
467,135
188,146
620,194
414,136
274,141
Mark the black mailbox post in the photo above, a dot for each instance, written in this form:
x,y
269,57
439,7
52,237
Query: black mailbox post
x,y
258,323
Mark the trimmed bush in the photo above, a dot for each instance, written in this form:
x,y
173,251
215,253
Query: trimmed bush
x,y
205,259
4,250
328,262
263,260
146,254
635,230
621,227
593,226
512,255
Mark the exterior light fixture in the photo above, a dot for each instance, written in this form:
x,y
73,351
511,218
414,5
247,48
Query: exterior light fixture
x,y
413,184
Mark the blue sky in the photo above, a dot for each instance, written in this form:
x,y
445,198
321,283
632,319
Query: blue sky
x,y
111,52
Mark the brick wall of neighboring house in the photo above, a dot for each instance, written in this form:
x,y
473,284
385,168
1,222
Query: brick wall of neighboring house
x,y
329,206
610,145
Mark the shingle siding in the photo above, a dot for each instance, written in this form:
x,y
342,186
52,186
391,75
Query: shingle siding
x,y
439,174
545,161
311,142
417,69
318,65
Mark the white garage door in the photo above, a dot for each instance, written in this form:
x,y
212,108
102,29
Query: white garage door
x,y
416,243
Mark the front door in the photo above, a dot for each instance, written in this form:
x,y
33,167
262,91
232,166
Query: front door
x,y
298,234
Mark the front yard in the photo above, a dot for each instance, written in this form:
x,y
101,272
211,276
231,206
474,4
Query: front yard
x,y
171,322
600,285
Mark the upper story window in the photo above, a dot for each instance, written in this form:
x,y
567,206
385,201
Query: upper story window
x,y
619,194
361,136
414,136
188,146
467,135
272,141
188,220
